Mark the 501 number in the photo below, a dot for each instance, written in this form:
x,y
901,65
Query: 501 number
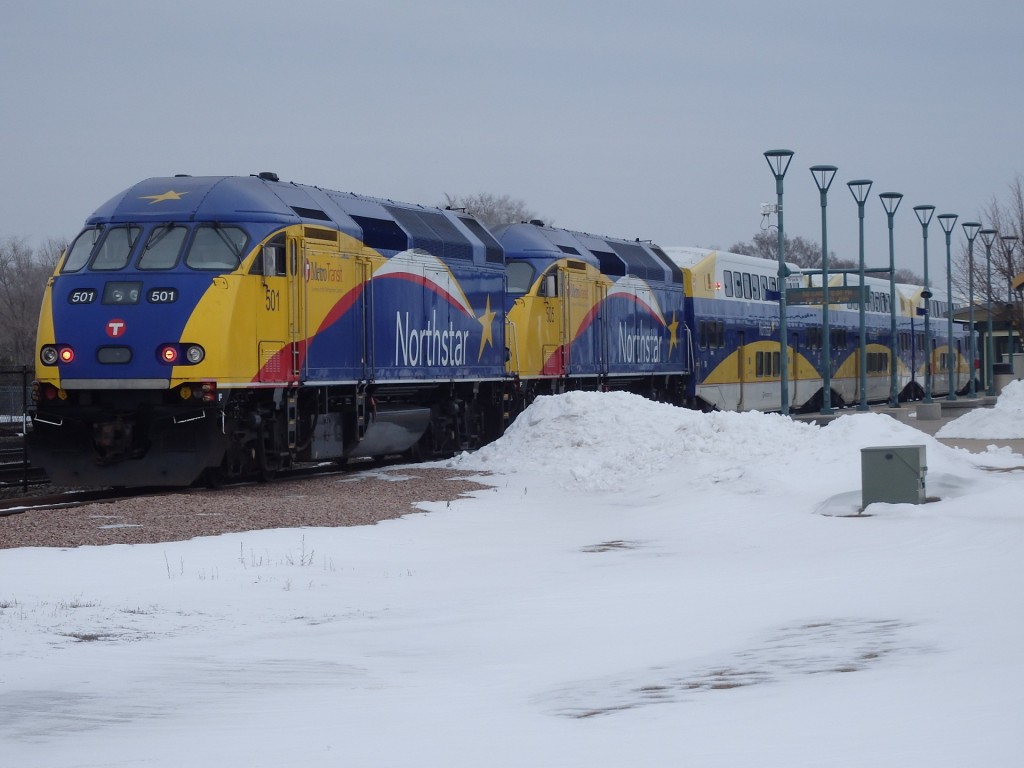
x,y
162,295
273,299
84,296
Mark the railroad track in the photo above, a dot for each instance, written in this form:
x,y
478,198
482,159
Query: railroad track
x,y
75,498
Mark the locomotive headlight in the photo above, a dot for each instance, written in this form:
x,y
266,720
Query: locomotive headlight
x,y
169,354
194,354
67,354
48,355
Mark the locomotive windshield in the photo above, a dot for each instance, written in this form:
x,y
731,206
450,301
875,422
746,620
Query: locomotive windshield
x,y
109,248
216,247
211,247
163,246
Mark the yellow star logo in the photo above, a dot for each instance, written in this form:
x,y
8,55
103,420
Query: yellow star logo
x,y
168,195
673,338
486,320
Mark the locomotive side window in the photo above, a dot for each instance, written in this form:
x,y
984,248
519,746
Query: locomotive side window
x,y
272,261
115,248
727,275
80,250
549,287
163,246
216,247
519,275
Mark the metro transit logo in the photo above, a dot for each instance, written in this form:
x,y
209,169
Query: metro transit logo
x,y
116,328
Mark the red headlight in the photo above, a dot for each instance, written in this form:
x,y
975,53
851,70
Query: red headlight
x,y
169,353
67,354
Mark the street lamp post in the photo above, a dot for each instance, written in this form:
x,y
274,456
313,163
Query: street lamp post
x,y
860,189
988,236
924,215
1010,243
891,201
823,176
947,221
971,231
778,161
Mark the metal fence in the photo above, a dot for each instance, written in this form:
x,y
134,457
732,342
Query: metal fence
x,y
15,396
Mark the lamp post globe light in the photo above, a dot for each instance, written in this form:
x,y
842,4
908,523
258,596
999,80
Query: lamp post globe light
x,y
924,215
860,190
947,221
971,231
778,162
1010,244
988,236
823,176
891,201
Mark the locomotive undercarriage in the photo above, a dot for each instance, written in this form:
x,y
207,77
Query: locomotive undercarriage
x,y
152,438
271,430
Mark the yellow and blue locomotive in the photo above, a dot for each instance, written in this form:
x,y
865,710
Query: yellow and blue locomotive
x,y
223,326
589,312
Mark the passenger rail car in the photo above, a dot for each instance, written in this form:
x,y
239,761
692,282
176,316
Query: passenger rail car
x,y
737,349
734,316
947,361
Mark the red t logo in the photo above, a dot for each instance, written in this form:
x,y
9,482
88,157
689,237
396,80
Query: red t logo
x,y
116,327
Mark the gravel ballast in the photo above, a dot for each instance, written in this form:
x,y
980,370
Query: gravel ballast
x,y
337,500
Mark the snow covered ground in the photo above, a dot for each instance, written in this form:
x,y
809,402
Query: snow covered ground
x,y
641,586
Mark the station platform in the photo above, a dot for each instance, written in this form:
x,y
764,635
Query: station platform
x,y
930,420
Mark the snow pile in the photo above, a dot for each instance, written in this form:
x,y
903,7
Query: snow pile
x,y
607,440
1005,421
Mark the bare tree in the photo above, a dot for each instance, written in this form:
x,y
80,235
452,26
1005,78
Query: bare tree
x,y
491,210
1007,218
23,276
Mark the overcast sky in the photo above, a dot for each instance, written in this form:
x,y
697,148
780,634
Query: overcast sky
x,y
640,119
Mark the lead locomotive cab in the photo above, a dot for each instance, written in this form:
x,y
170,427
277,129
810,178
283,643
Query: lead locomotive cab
x,y
120,398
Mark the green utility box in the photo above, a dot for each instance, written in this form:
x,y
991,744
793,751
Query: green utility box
x,y
893,474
